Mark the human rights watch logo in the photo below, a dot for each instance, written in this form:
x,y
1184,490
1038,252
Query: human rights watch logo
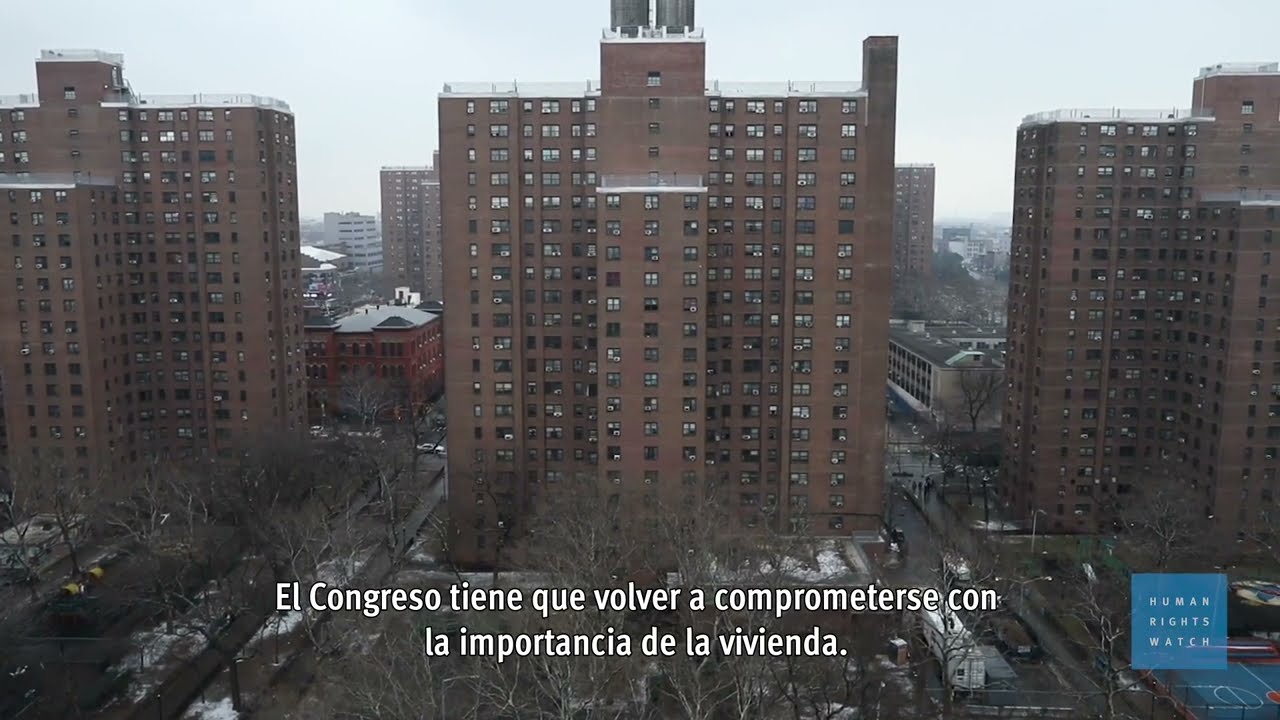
x,y
1179,621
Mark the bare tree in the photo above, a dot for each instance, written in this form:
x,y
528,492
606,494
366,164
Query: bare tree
x,y
1260,541
1100,607
1164,519
48,511
366,396
828,688
980,391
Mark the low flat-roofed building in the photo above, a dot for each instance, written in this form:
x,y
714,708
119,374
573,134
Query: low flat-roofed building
x,y
951,373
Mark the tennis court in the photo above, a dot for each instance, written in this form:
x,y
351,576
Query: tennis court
x,y
1247,690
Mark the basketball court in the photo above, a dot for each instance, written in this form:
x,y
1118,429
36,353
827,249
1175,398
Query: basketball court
x,y
1249,689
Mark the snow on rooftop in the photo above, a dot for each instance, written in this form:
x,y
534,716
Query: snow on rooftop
x,y
368,317
715,88
320,254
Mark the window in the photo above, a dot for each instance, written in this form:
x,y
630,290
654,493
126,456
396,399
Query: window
x,y
848,130
654,79
1246,107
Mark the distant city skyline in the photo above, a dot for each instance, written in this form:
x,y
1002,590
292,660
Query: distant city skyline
x,y
967,78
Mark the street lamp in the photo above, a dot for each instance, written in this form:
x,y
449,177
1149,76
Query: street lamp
x,y
444,684
1035,516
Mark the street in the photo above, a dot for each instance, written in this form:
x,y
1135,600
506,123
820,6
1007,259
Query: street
x,y
920,515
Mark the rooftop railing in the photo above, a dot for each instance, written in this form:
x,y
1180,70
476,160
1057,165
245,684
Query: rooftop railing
x,y
1104,114
524,89
199,100
82,56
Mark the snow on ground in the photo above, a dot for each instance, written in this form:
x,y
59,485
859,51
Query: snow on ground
x,y
281,624
832,560
896,675
336,572
211,710
996,525
342,570
157,650
422,555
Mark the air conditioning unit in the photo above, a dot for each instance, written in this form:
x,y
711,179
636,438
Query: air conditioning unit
x,y
26,351
713,231
496,346
616,358
808,323
1256,371
557,414
842,438
558,391
497,301
837,393
648,408
615,433
802,183
693,308
505,253
497,276
591,301
648,233
611,408
477,347
755,392
797,347
62,265
591,231
839,371
591,371
746,347
508,436
746,436
615,232
844,416
495,231
217,398
174,301
842,254
691,457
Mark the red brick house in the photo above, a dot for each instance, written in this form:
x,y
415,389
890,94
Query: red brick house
x,y
374,363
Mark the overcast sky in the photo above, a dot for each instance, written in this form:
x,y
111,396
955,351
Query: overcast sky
x,y
362,75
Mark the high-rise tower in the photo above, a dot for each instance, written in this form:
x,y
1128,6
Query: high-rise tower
x,y
659,282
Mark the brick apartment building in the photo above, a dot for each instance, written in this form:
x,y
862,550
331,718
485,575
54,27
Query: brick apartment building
x,y
913,221
384,357
411,231
1142,322
149,303
661,281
